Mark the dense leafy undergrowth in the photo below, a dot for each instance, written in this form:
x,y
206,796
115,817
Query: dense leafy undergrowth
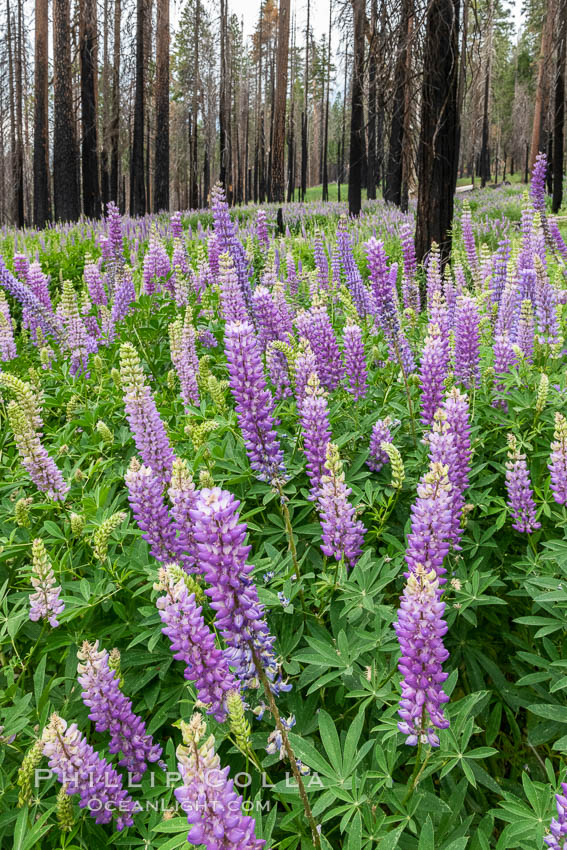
x,y
219,376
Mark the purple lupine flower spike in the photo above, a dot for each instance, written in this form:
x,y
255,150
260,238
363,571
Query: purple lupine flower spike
x,y
355,361
468,240
145,423
420,629
85,772
342,533
519,489
44,601
467,344
316,432
254,403
315,325
222,555
183,352
233,305
557,840
145,495
558,460
381,433
43,317
262,229
431,522
193,642
213,808
433,371
111,711
41,468
537,187
7,344
183,495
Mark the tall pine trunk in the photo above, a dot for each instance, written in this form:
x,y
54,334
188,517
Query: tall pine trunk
x,y
137,183
161,161
394,169
304,114
438,143
326,129
559,112
372,72
541,87
89,151
357,113
278,156
66,198
194,183
115,121
41,213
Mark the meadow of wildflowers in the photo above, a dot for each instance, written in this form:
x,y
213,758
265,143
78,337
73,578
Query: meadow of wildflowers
x,y
283,549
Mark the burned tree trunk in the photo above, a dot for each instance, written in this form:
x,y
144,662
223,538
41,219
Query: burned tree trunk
x,y
89,152
66,197
137,183
438,142
559,113
357,113
41,127
161,161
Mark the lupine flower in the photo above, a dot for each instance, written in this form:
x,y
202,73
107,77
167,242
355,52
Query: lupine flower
x,y
29,398
456,410
254,403
355,361
381,433
227,240
558,826
183,352
542,393
304,365
398,472
431,522
239,725
112,712
221,554
277,364
114,224
504,359
145,423
272,324
85,772
412,299
38,464
519,489
433,371
124,296
26,773
145,495
233,305
208,797
77,338
500,262
353,278
420,629
193,642
156,267
44,602
314,415
262,229
316,327
558,458
468,239
7,345
321,262
434,280
537,187
342,533
176,225
206,338
546,313
525,335
95,283
102,535
42,316
467,346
